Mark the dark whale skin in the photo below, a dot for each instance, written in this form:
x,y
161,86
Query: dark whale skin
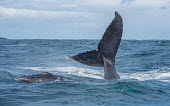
x,y
45,76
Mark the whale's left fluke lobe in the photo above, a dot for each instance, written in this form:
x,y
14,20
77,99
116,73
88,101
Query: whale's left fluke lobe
x,y
91,58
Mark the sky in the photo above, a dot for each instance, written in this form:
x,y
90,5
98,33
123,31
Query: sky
x,y
83,19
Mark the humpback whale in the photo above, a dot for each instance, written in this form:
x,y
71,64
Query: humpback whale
x,y
103,57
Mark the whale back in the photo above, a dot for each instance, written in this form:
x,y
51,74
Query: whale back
x,y
45,76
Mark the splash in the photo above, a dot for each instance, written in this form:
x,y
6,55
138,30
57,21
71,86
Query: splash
x,y
84,72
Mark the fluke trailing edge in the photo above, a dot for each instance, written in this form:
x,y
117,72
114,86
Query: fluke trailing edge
x,y
104,56
107,49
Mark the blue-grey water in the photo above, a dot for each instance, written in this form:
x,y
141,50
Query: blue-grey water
x,y
144,68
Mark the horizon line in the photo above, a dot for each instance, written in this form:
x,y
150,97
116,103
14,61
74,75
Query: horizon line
x,y
69,39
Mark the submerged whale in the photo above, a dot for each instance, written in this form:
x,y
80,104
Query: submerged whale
x,y
45,76
103,57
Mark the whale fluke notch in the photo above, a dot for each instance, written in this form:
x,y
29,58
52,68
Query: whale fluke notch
x,y
91,58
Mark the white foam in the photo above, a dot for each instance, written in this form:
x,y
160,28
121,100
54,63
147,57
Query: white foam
x,y
85,72
162,74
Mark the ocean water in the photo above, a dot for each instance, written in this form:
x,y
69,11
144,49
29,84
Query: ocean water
x,y
144,68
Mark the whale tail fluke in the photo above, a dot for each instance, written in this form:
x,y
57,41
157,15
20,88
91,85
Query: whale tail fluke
x,y
107,49
107,46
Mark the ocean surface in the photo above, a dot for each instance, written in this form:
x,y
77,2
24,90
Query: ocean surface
x,y
143,65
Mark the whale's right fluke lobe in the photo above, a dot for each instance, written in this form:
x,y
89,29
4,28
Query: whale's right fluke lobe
x,y
110,41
